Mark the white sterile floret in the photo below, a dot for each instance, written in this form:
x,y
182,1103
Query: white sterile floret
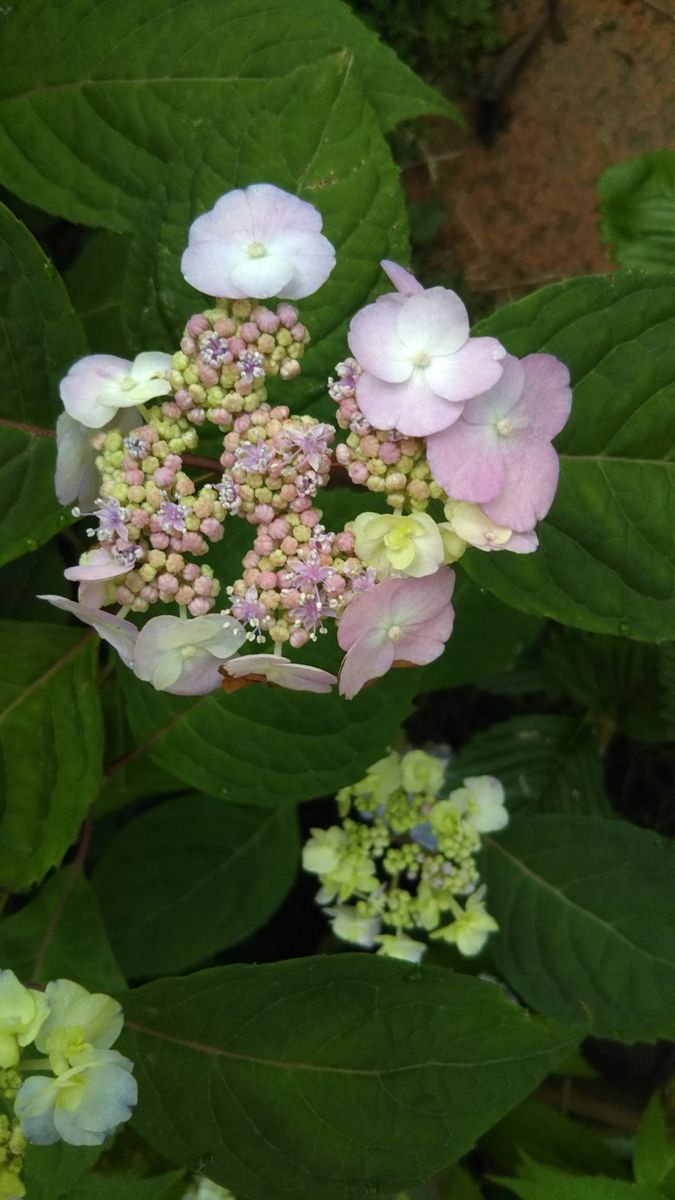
x,y
83,1104
77,477
348,924
97,386
182,655
78,1021
399,945
395,545
257,242
22,1012
480,801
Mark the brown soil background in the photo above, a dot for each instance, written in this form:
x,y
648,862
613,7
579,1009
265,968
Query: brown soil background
x,y
523,212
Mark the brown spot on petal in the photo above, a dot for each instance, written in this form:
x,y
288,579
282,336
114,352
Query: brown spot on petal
x,y
234,683
402,662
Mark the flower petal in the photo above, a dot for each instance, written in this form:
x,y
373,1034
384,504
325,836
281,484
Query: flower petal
x,y
374,342
530,484
369,657
403,281
468,371
262,277
468,461
546,398
434,319
410,407
120,634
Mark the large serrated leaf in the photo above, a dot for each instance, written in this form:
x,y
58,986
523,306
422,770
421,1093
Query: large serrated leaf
x,y
606,561
50,745
192,877
39,337
328,1077
587,930
637,209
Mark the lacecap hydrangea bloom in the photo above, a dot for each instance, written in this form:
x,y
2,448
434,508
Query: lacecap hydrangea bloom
x,y
444,430
401,865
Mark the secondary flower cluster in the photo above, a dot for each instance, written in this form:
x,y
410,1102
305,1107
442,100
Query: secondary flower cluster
x,y
448,430
79,1091
402,860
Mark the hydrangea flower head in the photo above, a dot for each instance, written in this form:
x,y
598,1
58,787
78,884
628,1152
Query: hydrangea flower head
x,y
400,620
22,1012
498,453
97,386
258,241
418,363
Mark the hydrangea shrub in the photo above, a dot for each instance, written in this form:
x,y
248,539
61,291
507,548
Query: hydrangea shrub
x,y
267,498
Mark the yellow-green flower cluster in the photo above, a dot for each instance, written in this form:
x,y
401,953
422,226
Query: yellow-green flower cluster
x,y
402,860
79,1089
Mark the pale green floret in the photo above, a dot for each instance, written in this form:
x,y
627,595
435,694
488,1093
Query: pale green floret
x,y
422,772
23,1011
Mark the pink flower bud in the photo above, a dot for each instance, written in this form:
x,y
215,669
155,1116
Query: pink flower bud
x,y
310,518
265,319
345,541
289,545
358,472
264,513
203,585
197,324
249,331
298,638
242,424
279,528
290,368
208,375
212,529
343,454
251,577
171,411
159,540
335,585
225,326
188,345
199,606
150,593
390,453
194,543
287,314
163,477
267,580
185,486
298,332
221,417
263,544
236,345
184,595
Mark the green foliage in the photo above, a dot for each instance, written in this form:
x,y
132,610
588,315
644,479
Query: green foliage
x,y
363,1073
51,1172
39,338
628,684
637,209
60,934
536,1131
191,877
50,745
546,762
606,560
586,927
542,1183
654,1150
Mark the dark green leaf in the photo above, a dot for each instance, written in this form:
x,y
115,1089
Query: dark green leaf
x,y
96,284
39,338
191,877
606,561
637,207
587,931
51,1172
331,1077
265,745
112,1187
654,1150
60,934
50,745
544,1183
538,1131
547,763
620,681
24,579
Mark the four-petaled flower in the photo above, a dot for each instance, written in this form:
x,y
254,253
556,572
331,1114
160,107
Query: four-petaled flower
x,y
418,363
258,241
182,656
400,620
96,387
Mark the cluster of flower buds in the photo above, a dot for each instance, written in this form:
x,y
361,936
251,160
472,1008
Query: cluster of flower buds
x,y
451,432
79,1091
402,860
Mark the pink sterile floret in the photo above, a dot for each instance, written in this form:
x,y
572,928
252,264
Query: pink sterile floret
x,y
499,453
258,241
418,363
401,620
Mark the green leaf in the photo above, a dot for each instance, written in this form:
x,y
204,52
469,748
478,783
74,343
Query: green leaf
x,y
620,681
27,578
85,95
587,932
191,877
654,1149
112,1187
51,1172
39,338
96,284
606,561
265,745
536,1130
543,1183
50,745
637,209
60,934
546,763
336,1077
